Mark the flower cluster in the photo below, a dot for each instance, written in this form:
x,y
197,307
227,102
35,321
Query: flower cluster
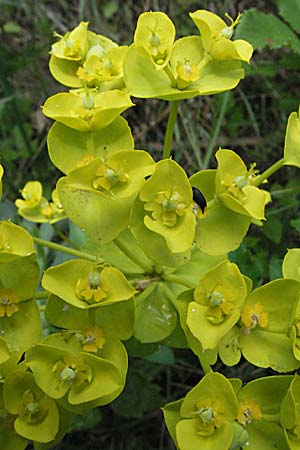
x,y
169,234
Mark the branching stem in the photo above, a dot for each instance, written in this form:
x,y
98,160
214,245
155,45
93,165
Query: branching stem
x,y
63,249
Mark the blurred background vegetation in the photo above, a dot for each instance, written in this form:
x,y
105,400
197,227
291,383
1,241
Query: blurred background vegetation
x,y
250,120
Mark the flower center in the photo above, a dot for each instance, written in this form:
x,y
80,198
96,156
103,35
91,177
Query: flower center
x,y
253,315
249,410
92,338
211,416
166,207
33,408
108,177
73,370
8,302
91,288
187,73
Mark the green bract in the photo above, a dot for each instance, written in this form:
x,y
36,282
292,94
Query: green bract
x,y
36,208
155,32
234,226
82,58
36,415
292,141
15,242
202,419
84,285
1,175
290,269
98,196
117,320
20,323
73,45
80,381
232,203
234,186
70,149
87,111
215,306
261,407
266,319
164,208
290,413
189,72
216,37
9,439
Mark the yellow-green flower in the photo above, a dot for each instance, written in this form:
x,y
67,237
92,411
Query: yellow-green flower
x,y
221,303
72,45
167,207
73,370
37,208
216,37
253,315
203,418
187,73
210,414
249,410
8,302
108,176
92,338
235,186
34,407
95,70
32,194
92,288
155,32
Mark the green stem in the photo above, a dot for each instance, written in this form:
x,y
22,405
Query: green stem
x,y
63,249
204,364
133,256
267,173
41,295
168,71
170,128
216,131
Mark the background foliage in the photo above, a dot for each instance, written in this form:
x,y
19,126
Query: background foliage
x,y
251,120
